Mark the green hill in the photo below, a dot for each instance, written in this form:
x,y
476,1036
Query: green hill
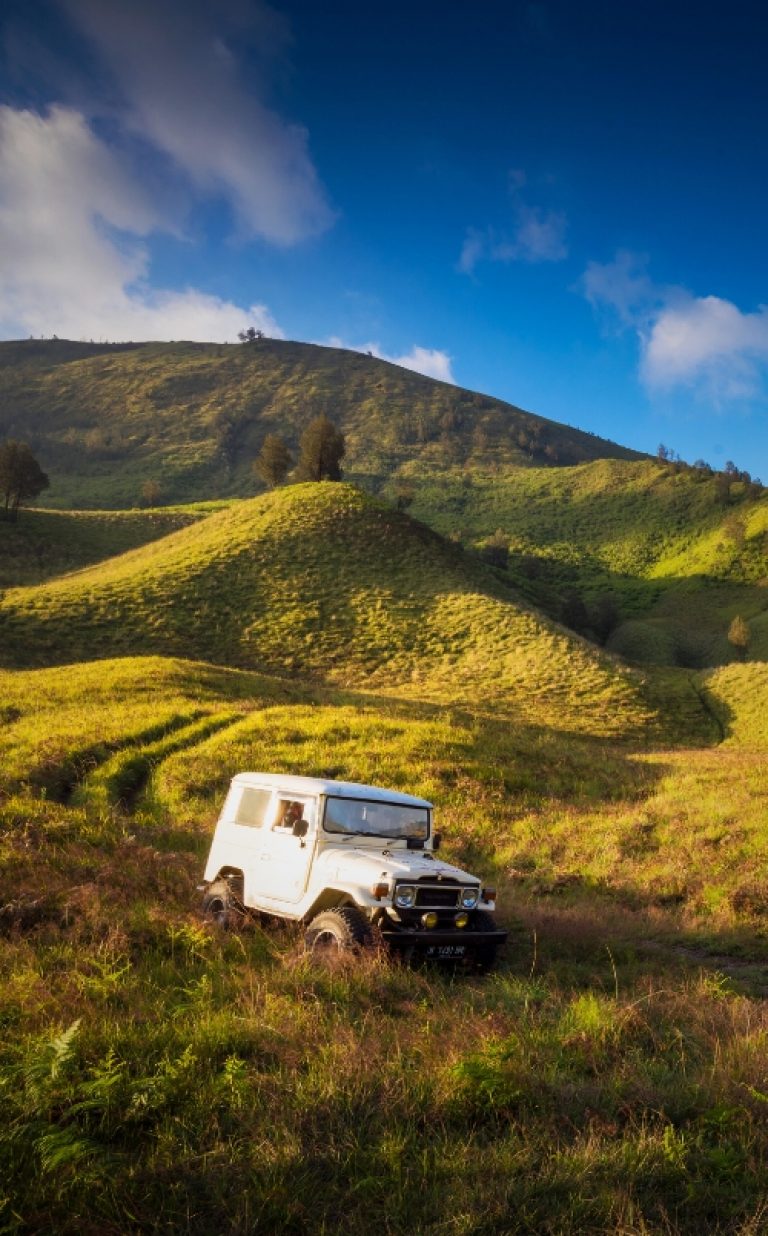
x,y
322,582
43,544
678,553
106,419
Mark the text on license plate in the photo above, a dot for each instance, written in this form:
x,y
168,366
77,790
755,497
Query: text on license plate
x,y
446,950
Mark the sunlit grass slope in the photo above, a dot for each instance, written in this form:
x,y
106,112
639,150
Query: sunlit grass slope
x,y
43,544
321,581
157,1076
192,416
679,556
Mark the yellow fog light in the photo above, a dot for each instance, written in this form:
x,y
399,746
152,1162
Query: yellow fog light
x,y
430,919
461,920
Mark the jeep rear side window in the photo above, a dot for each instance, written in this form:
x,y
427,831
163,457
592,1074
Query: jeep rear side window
x,y
253,807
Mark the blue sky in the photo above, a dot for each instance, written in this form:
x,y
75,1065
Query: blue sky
x,y
562,205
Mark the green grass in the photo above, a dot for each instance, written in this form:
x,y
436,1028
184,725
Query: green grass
x,y
45,544
679,562
322,582
192,417
156,1076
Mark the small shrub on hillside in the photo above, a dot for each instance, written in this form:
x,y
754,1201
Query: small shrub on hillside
x,y
739,635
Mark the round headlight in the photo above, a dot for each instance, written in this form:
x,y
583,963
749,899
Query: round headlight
x,y
405,896
469,898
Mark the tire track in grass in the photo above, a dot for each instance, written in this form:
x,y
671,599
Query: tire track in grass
x,y
62,782
121,780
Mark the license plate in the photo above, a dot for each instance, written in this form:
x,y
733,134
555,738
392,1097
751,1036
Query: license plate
x,y
444,952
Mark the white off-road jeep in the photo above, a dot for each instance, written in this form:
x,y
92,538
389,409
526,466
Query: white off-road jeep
x,y
352,862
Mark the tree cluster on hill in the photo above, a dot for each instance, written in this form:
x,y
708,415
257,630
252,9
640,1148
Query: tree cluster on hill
x,y
725,477
321,450
597,620
21,477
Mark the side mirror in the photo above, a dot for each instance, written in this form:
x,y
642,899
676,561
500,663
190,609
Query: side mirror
x,y
437,841
300,828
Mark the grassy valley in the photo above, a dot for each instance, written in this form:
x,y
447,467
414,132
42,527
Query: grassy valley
x,y
678,553
158,1075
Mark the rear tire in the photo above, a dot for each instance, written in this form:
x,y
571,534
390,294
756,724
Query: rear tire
x,y
343,930
222,906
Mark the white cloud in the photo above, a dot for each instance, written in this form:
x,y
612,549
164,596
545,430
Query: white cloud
x,y
703,342
537,235
623,287
429,361
182,93
708,342
72,261
473,250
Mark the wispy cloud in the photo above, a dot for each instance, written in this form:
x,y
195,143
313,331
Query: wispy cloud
x,y
72,255
163,123
702,342
535,234
178,78
429,361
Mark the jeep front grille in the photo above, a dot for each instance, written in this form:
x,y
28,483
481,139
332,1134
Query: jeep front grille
x,y
438,896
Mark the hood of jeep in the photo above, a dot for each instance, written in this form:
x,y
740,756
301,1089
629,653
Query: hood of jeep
x,y
365,865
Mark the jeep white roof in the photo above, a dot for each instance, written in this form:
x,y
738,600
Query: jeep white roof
x,y
318,785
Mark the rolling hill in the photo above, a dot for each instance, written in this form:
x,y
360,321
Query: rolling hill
x,y
678,551
104,419
323,582
159,1075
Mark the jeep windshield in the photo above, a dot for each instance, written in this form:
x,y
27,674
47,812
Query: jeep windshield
x,y
363,818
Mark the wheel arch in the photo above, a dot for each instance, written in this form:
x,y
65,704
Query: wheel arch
x,y
234,877
330,899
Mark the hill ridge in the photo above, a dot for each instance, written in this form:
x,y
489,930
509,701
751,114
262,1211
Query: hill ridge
x,y
105,419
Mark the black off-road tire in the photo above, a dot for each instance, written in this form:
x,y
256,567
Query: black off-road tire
x,y
343,930
222,906
482,957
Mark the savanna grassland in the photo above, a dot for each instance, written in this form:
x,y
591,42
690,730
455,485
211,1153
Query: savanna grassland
x,y
611,1075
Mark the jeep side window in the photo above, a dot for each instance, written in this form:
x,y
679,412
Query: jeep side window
x,y
252,807
289,814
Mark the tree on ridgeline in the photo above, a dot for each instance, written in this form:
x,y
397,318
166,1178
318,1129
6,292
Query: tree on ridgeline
x,y
21,477
321,450
273,461
739,636
250,335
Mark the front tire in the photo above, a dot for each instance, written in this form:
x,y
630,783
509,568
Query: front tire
x,y
343,930
483,956
221,905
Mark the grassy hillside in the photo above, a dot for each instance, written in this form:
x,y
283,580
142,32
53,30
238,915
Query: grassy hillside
x,y
105,419
678,556
44,544
156,1076
322,582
